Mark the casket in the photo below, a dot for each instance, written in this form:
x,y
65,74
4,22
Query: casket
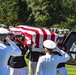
x,y
35,34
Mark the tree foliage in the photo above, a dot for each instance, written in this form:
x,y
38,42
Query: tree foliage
x,y
50,12
7,11
41,13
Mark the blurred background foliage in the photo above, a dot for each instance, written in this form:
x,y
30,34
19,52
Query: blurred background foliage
x,y
40,13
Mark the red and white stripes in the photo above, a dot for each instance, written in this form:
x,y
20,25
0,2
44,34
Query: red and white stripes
x,y
37,35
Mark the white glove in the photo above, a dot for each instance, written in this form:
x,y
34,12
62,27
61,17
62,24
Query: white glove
x,y
13,45
56,49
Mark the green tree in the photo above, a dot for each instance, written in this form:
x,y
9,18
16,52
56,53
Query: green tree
x,y
13,12
50,12
8,12
22,12
41,13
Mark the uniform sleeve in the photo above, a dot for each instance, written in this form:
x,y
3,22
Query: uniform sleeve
x,y
15,49
65,57
39,67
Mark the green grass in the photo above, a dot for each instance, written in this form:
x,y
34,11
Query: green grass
x,y
71,69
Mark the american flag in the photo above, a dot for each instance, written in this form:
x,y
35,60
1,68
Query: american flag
x,y
35,34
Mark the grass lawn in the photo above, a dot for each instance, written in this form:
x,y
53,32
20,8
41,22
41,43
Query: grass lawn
x,y
71,69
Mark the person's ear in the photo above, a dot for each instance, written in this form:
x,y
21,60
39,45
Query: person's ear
x,y
45,48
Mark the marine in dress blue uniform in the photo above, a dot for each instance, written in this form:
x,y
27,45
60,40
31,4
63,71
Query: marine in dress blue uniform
x,y
17,64
61,69
33,56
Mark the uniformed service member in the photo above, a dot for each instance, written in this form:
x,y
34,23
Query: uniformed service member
x,y
17,64
61,69
6,51
47,64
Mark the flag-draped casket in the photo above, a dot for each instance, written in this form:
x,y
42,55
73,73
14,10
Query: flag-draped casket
x,y
35,34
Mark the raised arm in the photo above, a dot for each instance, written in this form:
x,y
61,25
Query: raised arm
x,y
65,56
15,48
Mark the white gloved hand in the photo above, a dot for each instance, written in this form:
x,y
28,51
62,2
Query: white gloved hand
x,y
13,45
56,49
6,38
